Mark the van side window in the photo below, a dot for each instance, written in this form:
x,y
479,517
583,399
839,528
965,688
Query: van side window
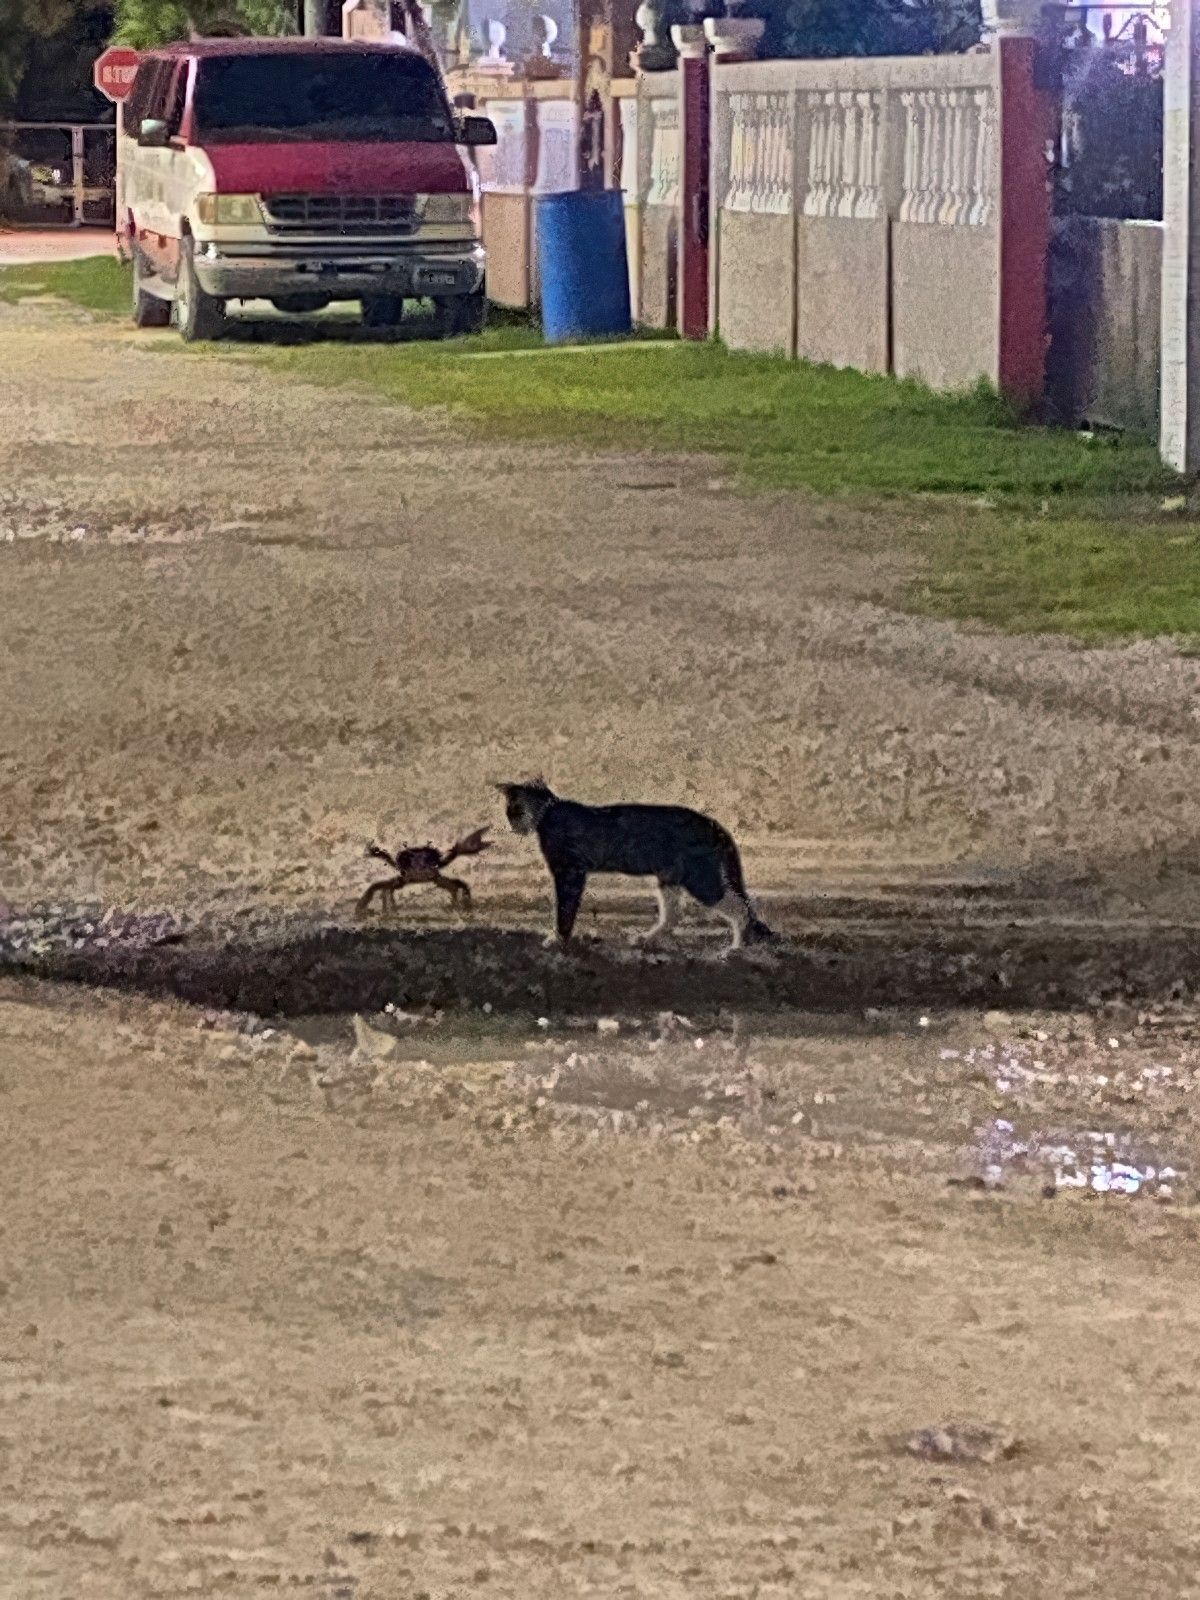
x,y
176,95
157,107
137,107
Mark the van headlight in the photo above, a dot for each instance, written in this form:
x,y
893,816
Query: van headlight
x,y
452,208
233,210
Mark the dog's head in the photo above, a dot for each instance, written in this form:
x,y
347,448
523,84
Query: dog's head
x,y
525,804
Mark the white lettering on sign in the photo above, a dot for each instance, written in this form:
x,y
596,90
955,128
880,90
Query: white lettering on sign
x,y
114,73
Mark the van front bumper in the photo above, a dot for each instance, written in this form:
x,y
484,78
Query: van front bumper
x,y
246,273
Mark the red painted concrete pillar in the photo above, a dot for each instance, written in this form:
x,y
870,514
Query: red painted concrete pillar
x,y
694,143
1026,131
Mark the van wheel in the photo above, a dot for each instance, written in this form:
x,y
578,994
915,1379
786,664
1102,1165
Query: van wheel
x,y
148,310
461,314
382,310
197,315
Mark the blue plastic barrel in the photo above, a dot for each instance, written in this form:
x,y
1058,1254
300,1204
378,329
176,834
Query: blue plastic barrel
x,y
582,265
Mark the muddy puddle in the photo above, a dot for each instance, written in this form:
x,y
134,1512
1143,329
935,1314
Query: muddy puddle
x,y
864,1058
288,964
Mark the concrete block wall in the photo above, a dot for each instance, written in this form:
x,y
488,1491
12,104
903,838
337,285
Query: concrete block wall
x,y
536,152
1105,314
856,215
647,170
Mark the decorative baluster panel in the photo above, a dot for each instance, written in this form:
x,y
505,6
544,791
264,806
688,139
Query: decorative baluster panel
x,y
845,155
626,174
950,157
502,166
558,147
762,134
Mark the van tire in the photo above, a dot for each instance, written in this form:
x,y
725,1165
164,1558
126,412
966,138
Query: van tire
x,y
148,310
461,314
382,310
198,315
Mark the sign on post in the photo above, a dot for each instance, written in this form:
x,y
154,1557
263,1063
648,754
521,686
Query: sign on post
x,y
113,75
114,72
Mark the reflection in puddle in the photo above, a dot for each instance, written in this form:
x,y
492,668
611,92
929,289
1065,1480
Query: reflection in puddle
x,y
1014,1068
1106,1163
1094,1159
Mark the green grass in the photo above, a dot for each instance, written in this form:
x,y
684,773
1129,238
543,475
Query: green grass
x,y
97,283
1094,580
1027,528
779,423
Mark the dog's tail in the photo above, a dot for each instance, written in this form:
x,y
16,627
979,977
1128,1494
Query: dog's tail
x,y
472,845
756,930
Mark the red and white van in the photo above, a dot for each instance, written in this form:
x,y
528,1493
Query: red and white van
x,y
299,171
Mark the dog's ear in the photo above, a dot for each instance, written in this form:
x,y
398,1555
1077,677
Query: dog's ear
x,y
504,788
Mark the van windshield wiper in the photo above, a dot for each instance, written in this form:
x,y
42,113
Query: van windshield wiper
x,y
251,132
361,130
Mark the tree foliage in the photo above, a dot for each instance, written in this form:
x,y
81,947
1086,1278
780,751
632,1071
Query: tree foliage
x,y
1114,124
26,25
846,27
144,23
869,27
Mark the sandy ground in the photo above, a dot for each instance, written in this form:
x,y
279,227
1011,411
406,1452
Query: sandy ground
x,y
540,1290
21,247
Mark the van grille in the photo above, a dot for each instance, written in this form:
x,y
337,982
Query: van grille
x,y
340,213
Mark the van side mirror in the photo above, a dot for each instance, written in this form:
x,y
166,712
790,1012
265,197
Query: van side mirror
x,y
476,131
153,133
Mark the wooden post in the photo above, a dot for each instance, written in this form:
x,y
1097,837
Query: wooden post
x,y
77,183
695,138
1026,135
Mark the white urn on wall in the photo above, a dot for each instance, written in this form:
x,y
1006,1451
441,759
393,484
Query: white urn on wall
x,y
735,37
646,18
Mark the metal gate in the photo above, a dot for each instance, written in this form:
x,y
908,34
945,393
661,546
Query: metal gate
x,y
58,174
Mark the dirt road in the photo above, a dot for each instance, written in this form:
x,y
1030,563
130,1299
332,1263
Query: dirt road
x,y
539,1293
21,247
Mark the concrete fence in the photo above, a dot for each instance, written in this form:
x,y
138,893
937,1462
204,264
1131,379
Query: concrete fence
x,y
536,152
891,215
647,167
857,215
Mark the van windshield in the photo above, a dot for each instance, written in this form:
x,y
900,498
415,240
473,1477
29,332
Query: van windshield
x,y
340,95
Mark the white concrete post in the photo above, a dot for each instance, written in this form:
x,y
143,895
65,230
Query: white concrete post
x,y
1179,431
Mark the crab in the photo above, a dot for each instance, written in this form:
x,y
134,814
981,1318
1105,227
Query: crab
x,y
423,864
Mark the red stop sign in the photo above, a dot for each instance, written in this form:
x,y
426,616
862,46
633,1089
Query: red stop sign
x,y
114,72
